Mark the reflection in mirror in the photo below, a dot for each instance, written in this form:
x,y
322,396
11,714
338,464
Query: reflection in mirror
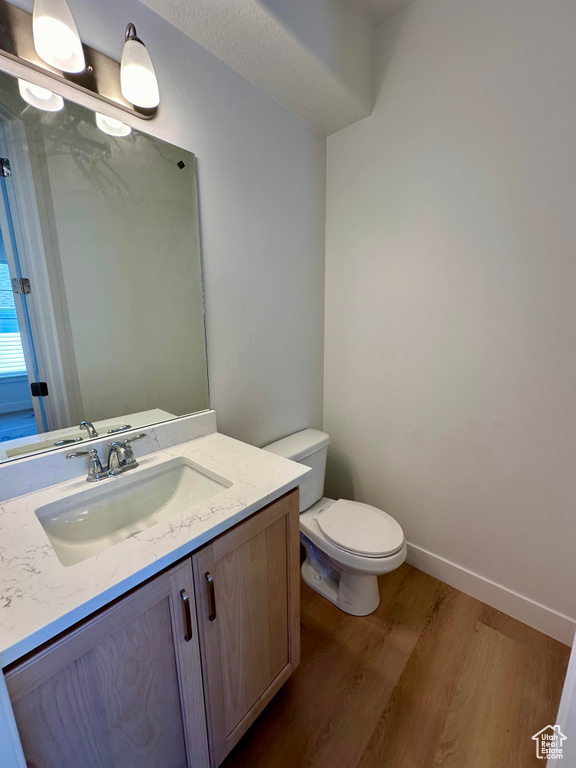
x,y
101,306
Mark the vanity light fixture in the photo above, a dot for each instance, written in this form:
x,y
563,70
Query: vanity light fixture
x,y
46,42
56,37
137,77
111,126
39,97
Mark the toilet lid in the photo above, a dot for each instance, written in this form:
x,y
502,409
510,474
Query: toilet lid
x,y
361,529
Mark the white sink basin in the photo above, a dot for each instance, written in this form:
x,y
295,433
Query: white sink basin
x,y
88,522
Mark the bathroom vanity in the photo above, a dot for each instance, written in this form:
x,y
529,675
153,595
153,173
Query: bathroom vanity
x,y
162,648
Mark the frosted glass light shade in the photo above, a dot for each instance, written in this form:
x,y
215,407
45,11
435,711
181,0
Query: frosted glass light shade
x,y
137,77
56,38
39,97
111,126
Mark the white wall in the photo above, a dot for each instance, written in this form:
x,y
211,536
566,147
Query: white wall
x,y
261,173
450,360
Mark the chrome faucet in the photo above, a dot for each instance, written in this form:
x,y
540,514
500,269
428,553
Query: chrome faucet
x,y
120,459
121,456
89,427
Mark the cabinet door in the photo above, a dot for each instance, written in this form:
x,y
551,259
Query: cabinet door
x,y
123,690
247,591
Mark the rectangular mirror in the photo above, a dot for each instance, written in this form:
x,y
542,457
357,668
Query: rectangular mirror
x,y
101,302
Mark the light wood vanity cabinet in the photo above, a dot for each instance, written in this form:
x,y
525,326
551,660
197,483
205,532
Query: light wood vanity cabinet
x,y
173,674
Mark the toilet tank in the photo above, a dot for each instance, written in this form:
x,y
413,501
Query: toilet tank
x,y
308,447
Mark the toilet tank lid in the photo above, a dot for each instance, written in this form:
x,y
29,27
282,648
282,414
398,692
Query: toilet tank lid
x,y
300,444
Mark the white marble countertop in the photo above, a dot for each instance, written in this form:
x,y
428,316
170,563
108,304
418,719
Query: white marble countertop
x,y
39,597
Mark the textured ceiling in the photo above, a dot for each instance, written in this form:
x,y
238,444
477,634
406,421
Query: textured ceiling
x,y
325,78
313,56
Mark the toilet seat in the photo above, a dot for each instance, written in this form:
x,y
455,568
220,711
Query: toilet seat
x,y
360,529
346,578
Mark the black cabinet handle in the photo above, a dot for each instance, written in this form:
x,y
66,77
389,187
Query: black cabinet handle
x,y
186,615
211,597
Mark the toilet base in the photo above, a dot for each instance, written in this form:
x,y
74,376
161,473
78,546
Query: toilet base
x,y
356,594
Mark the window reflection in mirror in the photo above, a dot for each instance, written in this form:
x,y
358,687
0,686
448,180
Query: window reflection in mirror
x,y
101,306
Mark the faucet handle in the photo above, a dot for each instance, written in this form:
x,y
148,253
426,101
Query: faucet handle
x,y
95,469
139,436
79,454
68,441
121,428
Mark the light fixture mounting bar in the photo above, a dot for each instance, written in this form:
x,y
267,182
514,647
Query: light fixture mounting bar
x,y
100,79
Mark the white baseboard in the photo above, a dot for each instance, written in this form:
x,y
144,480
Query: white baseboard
x,y
544,619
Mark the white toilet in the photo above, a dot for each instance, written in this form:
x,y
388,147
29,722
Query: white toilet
x,y
347,544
